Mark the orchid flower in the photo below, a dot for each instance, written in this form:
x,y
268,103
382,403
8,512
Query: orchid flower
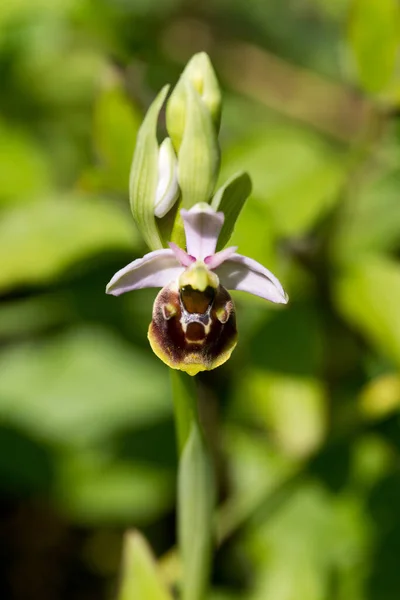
x,y
194,324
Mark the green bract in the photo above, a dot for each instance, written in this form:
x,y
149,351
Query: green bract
x,y
230,199
144,174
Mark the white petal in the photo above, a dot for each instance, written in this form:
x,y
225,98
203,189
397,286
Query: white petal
x,y
167,187
247,275
202,228
155,269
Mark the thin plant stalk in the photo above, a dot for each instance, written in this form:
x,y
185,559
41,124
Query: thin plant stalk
x,y
196,490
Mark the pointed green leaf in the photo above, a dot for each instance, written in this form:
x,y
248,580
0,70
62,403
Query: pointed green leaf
x,y
230,199
374,36
199,155
196,497
140,577
144,174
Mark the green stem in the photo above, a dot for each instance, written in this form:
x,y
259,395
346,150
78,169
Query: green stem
x,y
184,395
196,490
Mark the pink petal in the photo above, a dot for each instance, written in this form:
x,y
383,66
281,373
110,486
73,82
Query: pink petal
x,y
215,260
202,228
247,275
155,269
181,256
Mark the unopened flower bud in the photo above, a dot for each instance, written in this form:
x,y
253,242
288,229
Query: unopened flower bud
x,y
193,116
200,74
167,187
204,80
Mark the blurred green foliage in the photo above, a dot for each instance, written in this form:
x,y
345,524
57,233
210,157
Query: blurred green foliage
x,y
304,419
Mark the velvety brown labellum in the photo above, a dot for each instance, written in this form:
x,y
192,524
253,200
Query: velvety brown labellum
x,y
192,330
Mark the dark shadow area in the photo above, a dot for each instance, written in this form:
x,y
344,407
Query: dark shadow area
x,y
384,506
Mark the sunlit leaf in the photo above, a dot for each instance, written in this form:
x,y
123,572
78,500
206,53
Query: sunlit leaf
x,y
94,487
256,471
310,535
223,594
296,176
369,220
368,296
381,396
23,170
374,36
116,122
291,407
26,8
40,241
373,459
80,387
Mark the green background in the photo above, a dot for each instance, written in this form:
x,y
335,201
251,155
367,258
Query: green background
x,y
304,418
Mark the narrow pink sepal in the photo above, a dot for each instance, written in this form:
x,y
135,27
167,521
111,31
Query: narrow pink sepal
x,y
215,260
181,256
